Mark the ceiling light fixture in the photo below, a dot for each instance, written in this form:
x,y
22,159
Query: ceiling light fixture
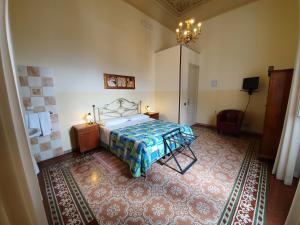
x,y
189,32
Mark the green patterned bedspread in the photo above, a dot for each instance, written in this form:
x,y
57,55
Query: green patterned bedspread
x,y
142,144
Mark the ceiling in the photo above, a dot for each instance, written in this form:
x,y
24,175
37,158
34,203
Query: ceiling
x,y
179,7
170,12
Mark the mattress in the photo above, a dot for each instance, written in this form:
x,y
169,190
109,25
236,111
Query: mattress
x,y
105,131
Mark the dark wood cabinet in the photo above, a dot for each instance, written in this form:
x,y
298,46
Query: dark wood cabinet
x,y
153,115
87,136
278,96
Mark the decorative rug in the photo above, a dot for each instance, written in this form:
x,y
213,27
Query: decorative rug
x,y
227,185
66,203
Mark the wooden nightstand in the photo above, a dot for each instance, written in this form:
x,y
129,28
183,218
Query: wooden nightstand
x,y
153,115
87,136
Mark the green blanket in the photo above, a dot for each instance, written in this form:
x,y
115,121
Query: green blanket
x,y
142,144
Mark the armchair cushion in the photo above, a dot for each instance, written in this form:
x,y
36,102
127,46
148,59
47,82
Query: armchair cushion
x,y
230,121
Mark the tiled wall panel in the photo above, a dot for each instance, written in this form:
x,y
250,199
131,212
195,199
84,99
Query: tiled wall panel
x,y
36,88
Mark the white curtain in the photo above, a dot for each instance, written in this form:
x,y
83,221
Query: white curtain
x,y
287,161
294,216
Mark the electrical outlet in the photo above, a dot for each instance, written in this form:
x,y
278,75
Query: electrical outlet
x,y
214,83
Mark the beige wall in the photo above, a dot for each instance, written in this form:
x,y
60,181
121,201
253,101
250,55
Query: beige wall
x,y
240,43
80,40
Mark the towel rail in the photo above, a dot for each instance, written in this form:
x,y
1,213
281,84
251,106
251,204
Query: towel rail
x,y
30,109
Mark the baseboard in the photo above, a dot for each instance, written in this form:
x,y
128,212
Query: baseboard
x,y
205,125
251,133
66,155
248,133
70,150
265,157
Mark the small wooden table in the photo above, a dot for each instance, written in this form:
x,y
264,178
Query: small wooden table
x,y
87,136
153,115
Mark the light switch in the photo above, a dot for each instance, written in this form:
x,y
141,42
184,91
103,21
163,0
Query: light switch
x,y
298,114
213,83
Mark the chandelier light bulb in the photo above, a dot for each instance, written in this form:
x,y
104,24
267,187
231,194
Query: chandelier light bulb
x,y
188,31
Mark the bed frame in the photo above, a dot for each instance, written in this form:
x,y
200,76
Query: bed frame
x,y
118,108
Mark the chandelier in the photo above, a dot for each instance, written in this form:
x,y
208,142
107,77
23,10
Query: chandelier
x,y
188,32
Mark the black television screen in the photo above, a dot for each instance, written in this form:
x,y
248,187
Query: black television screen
x,y
250,83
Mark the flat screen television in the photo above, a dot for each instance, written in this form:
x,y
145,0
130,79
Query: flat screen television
x,y
250,84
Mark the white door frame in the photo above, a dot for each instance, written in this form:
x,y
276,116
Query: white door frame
x,y
192,120
21,201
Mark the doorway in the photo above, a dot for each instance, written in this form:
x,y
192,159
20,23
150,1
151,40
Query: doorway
x,y
192,93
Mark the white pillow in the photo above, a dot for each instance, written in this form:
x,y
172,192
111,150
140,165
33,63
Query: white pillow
x,y
113,121
137,117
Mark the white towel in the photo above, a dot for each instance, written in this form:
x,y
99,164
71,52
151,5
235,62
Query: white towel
x,y
26,119
33,121
45,122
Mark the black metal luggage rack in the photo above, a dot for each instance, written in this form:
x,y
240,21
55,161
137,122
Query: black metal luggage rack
x,y
176,142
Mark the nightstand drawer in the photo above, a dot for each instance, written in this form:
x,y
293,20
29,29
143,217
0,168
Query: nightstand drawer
x,y
88,129
87,136
88,140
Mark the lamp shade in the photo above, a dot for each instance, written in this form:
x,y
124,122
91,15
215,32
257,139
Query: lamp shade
x,y
89,118
148,108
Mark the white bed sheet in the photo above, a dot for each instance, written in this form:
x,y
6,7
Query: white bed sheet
x,y
105,131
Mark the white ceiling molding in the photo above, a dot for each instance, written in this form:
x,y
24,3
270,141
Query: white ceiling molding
x,y
170,12
179,7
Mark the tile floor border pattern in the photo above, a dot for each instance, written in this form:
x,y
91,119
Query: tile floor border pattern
x,y
66,202
247,201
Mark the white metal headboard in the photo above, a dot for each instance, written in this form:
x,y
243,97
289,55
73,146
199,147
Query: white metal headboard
x,y
118,108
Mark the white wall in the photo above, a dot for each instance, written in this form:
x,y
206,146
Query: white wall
x,y
80,40
167,66
188,57
167,83
240,43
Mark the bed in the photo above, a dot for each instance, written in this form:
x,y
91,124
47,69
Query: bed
x,y
133,137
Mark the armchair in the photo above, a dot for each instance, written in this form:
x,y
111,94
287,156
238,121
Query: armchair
x,y
230,121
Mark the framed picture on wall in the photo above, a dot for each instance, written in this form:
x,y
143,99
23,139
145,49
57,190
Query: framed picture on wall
x,y
112,81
